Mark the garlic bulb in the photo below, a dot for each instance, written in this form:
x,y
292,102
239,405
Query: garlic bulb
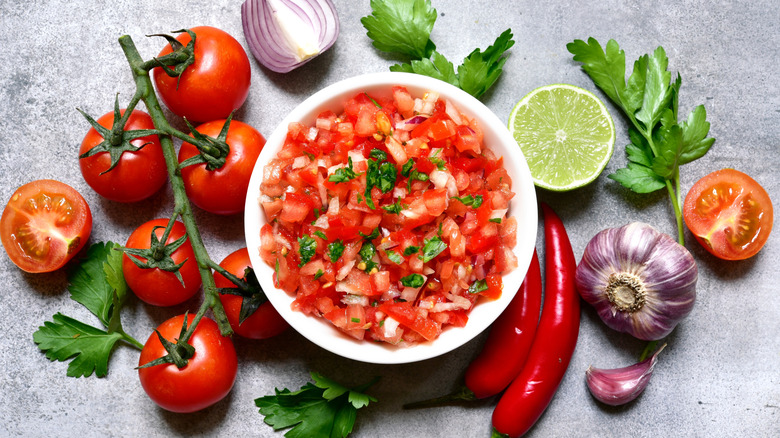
x,y
639,280
620,385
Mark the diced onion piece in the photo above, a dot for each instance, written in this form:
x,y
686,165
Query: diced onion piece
x,y
410,123
396,150
389,326
429,102
451,111
322,222
342,274
311,134
498,214
285,34
300,162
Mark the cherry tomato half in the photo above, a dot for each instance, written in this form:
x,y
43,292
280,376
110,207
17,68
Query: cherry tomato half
x,y
156,286
729,213
266,321
206,379
138,175
45,224
223,190
217,82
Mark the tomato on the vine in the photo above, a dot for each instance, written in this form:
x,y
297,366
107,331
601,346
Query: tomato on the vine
x,y
138,174
154,285
206,379
217,82
45,224
729,213
265,322
223,190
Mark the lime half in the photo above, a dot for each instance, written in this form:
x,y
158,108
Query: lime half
x,y
566,135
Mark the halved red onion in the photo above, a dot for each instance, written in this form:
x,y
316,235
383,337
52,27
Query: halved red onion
x,y
285,34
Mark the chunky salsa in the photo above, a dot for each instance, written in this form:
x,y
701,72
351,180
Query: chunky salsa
x,y
390,219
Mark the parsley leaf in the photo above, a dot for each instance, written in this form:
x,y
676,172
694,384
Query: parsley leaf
x,y
478,286
367,253
307,249
659,143
394,257
401,27
323,409
404,27
97,283
406,169
480,70
378,154
343,174
437,66
433,247
471,201
413,280
93,281
374,234
411,250
394,208
321,235
67,338
335,249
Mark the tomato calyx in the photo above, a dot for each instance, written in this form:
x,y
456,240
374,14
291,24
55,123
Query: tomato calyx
x,y
213,151
180,58
158,255
179,352
116,140
248,288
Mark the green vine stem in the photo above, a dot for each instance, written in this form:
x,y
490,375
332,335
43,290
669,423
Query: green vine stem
x,y
182,206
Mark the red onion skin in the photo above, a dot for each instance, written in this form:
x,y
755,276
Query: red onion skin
x,y
666,268
265,42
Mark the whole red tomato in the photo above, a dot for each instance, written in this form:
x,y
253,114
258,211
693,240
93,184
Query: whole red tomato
x,y
138,175
206,379
265,322
45,224
156,286
223,190
217,82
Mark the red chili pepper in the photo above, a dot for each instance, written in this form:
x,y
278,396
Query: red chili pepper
x,y
510,338
556,336
506,348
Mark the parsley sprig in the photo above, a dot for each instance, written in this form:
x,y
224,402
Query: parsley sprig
x,y
323,409
99,285
404,27
659,143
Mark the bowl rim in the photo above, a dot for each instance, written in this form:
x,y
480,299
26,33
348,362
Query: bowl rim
x,y
523,206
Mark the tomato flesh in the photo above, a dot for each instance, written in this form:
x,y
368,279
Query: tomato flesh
x,y
729,213
45,224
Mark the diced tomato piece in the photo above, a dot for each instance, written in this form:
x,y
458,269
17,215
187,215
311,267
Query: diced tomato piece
x,y
424,165
505,260
412,318
403,101
495,287
436,201
442,129
485,237
295,207
467,140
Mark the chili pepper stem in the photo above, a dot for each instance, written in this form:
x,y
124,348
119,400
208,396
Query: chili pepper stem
x,y
181,202
462,394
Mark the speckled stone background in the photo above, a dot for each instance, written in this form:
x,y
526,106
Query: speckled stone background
x,y
719,376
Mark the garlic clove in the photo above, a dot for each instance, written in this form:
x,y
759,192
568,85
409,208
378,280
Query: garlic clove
x,y
620,385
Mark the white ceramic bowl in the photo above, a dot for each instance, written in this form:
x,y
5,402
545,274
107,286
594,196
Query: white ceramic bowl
x,y
523,207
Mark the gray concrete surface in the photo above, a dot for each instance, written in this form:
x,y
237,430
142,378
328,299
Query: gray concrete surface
x,y
719,376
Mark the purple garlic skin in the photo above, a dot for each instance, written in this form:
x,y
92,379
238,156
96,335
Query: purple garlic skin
x,y
620,385
640,281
